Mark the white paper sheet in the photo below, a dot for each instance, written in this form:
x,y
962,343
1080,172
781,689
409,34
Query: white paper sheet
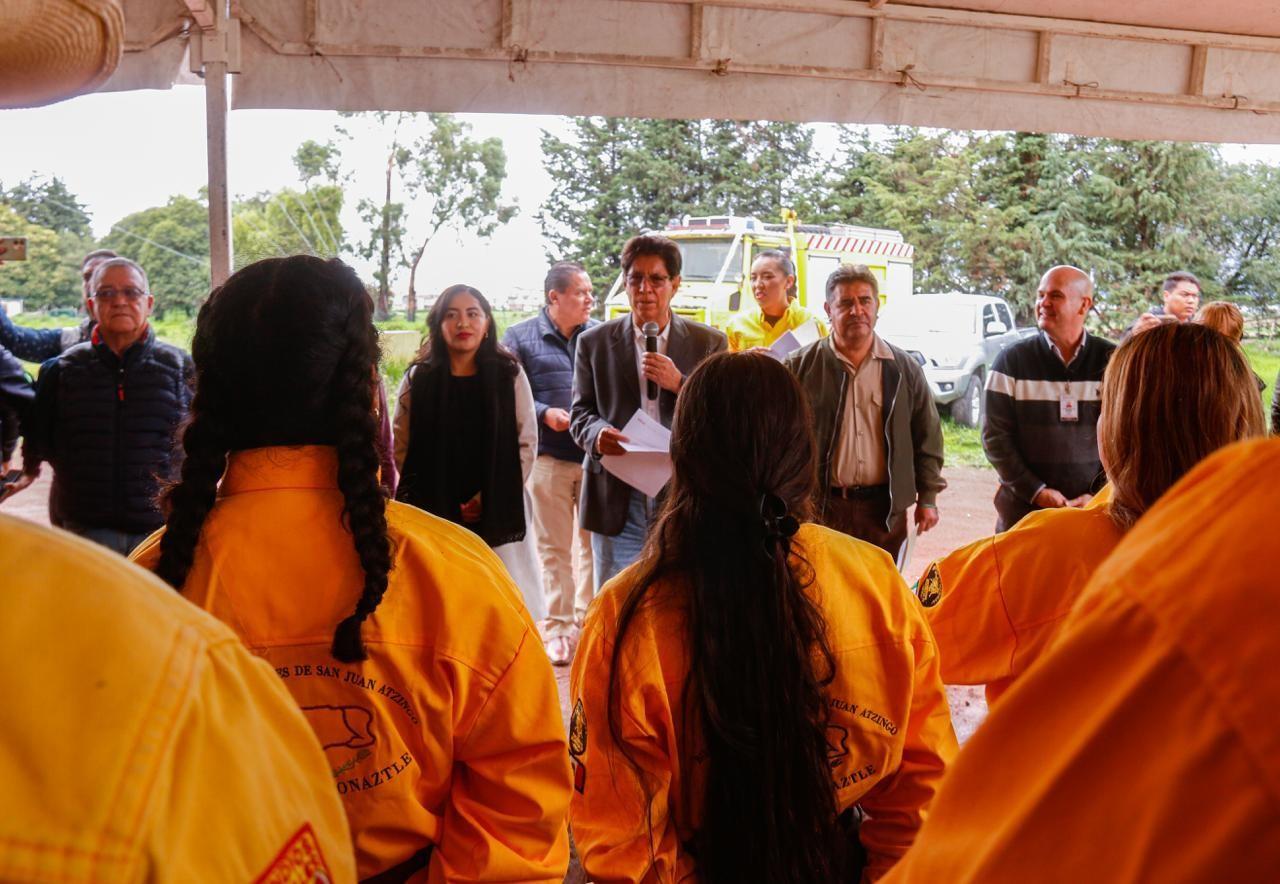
x,y
646,466
800,336
908,547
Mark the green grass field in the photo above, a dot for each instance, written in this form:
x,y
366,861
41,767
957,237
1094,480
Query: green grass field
x,y
963,445
1265,356
177,328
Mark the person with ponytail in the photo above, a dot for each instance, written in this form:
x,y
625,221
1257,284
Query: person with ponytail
x,y
773,283
466,433
757,698
1171,396
399,634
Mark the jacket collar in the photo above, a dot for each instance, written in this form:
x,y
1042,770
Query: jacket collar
x,y
1053,348
547,328
264,469
624,331
879,350
136,349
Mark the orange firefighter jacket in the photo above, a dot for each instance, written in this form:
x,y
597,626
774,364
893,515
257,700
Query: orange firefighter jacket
x,y
995,604
450,733
1144,745
139,740
889,735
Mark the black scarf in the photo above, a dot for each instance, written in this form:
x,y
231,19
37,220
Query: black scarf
x,y
428,474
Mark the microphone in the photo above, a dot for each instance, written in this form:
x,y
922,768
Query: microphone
x,y
650,331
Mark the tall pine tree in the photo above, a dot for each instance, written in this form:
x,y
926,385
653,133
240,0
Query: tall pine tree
x,y
615,177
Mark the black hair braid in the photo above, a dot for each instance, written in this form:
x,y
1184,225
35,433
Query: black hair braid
x,y
759,657
364,508
189,500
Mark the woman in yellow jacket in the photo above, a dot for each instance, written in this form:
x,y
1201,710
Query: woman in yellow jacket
x,y
1144,745
773,282
752,686
432,698
1170,397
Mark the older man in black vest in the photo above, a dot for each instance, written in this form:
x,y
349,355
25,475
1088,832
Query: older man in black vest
x,y
106,412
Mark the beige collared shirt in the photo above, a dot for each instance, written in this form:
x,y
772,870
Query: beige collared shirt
x,y
860,455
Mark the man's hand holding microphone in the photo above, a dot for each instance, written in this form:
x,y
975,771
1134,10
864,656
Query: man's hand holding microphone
x,y
658,372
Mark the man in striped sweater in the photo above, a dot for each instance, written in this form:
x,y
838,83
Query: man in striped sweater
x,y
1042,405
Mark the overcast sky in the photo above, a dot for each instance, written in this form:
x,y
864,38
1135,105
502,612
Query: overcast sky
x,y
123,152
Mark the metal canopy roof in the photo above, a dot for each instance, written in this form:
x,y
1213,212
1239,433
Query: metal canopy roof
x,y
1141,69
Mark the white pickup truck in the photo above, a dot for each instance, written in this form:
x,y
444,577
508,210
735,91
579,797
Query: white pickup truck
x,y
956,337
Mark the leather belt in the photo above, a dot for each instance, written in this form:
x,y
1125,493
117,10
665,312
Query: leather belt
x,y
861,492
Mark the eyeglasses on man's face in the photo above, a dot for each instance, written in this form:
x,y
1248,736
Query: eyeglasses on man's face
x,y
108,293
655,280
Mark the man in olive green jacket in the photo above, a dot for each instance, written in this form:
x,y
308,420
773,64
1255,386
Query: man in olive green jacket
x,y
879,441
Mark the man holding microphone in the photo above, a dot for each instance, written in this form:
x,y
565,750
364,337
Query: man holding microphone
x,y
630,363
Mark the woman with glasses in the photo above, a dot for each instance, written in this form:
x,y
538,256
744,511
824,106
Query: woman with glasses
x,y
755,683
398,634
466,433
1171,396
773,282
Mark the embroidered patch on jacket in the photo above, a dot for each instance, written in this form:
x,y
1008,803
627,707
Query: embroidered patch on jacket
x,y
837,744
300,861
342,727
929,587
578,745
578,730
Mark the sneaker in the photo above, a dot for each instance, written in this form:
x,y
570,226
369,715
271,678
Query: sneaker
x,y
560,650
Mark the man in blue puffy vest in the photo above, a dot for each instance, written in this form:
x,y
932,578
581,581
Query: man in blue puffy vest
x,y
545,346
106,413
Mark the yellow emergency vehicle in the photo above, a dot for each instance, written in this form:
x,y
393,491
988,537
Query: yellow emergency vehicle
x,y
718,251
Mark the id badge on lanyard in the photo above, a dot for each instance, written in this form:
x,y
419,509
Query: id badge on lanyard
x,y
1068,406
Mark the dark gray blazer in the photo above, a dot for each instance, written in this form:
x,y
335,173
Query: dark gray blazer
x,y
606,393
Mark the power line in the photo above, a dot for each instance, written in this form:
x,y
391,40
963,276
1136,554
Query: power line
x,y
315,227
203,262
310,248
261,228
337,245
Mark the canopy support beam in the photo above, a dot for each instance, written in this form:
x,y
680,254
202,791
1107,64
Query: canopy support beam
x,y
215,54
215,106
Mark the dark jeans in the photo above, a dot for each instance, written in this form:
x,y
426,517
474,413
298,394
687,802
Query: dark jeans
x,y
864,518
122,542
1010,509
610,554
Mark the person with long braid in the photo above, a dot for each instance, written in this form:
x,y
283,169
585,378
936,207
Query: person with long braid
x,y
398,633
757,698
